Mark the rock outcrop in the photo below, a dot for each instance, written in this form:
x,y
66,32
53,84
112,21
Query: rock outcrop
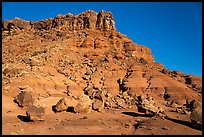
x,y
17,23
86,20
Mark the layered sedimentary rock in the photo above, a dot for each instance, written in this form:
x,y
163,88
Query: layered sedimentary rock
x,y
84,24
86,20
83,57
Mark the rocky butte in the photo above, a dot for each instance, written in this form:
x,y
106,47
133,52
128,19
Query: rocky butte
x,y
81,64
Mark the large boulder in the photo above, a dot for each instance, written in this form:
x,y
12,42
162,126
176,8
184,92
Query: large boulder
x,y
196,114
35,113
98,101
61,105
24,98
84,105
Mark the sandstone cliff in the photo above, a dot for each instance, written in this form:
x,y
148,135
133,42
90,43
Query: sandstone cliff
x,y
100,26
83,57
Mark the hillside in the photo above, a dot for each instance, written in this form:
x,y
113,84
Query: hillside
x,y
102,75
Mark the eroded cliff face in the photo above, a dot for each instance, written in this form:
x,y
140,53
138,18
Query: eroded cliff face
x,y
95,30
85,55
86,20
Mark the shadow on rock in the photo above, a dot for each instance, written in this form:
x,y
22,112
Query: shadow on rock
x,y
70,109
134,114
54,108
15,101
186,123
24,118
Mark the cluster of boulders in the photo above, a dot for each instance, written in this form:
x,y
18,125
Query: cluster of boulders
x,y
100,101
25,99
192,108
9,71
146,105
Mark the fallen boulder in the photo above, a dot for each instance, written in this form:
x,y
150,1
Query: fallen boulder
x,y
35,113
98,101
196,115
61,105
24,98
84,105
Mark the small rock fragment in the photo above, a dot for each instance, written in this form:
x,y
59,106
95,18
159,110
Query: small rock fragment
x,y
165,128
84,117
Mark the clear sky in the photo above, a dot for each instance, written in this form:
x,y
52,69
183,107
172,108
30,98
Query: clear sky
x,y
172,30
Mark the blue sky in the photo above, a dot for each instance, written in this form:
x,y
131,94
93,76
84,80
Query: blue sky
x,y
172,30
